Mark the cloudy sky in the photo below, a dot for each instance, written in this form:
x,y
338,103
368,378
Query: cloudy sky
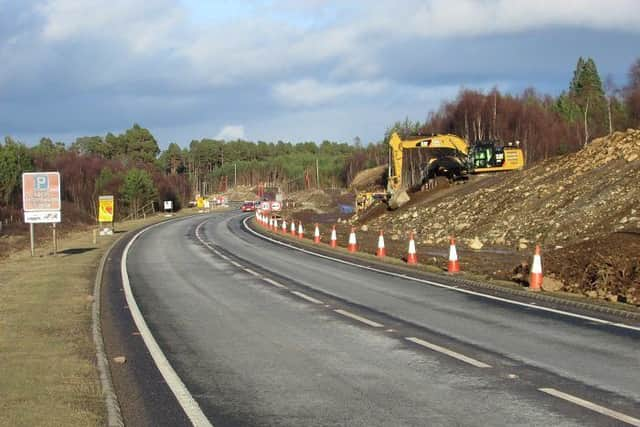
x,y
285,69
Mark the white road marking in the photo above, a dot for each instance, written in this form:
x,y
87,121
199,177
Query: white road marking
x,y
450,353
592,406
440,285
274,283
253,273
184,397
237,264
307,297
359,318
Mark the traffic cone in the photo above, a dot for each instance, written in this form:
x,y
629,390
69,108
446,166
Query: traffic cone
x,y
412,258
352,246
300,230
316,234
275,224
454,264
334,238
381,251
293,228
284,226
535,280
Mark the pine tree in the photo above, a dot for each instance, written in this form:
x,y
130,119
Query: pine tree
x,y
587,94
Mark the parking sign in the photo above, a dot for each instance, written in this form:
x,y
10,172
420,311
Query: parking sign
x,y
41,199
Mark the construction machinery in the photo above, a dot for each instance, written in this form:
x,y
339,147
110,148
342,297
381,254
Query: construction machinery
x,y
415,163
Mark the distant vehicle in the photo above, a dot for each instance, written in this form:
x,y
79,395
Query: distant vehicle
x,y
248,207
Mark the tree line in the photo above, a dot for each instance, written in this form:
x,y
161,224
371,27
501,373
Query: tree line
x,y
132,167
544,125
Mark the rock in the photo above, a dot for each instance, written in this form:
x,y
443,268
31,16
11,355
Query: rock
x,y
476,243
120,360
522,246
592,294
550,284
631,157
395,237
365,227
414,215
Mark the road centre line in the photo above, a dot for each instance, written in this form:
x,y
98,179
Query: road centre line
x,y
592,406
359,318
441,285
450,353
307,297
184,397
253,273
274,283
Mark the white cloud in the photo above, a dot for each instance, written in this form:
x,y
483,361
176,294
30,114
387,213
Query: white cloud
x,y
231,132
310,92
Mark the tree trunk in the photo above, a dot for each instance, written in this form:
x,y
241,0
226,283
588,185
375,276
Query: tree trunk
x,y
586,123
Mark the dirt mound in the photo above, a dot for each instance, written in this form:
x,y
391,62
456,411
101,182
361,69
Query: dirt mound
x,y
312,198
574,199
241,193
370,179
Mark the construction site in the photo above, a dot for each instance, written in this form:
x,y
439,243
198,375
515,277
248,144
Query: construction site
x,y
582,209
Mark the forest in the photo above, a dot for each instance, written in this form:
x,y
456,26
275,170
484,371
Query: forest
x,y
132,167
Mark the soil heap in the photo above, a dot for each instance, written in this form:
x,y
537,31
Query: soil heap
x,y
576,206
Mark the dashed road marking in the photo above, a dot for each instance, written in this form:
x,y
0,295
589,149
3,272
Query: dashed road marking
x,y
274,283
442,285
359,318
307,297
592,406
450,353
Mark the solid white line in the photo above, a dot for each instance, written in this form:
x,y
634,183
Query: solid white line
x,y
594,407
307,297
359,319
253,273
274,283
450,353
236,264
440,285
184,397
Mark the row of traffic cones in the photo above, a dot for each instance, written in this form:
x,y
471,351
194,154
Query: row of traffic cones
x,y
453,266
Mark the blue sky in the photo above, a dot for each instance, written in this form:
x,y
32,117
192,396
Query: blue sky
x,y
288,70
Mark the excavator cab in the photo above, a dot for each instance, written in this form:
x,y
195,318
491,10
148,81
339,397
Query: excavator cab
x,y
493,156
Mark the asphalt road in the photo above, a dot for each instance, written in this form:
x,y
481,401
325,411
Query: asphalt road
x,y
263,335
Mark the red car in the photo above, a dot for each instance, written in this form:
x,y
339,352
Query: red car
x,y
248,207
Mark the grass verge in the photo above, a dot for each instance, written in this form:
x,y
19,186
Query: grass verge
x,y
47,355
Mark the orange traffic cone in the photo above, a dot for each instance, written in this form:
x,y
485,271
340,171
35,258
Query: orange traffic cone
x,y
284,226
293,228
300,230
316,234
334,238
353,245
454,264
412,257
275,224
535,280
381,251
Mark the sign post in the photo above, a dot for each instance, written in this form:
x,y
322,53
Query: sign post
x,y
168,207
41,202
105,214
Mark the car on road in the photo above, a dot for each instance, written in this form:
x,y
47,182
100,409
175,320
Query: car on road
x,y
248,207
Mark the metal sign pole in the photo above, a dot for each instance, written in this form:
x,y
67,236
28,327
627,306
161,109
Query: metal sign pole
x,y
55,242
33,248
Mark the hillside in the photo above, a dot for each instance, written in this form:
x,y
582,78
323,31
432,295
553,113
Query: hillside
x,y
583,208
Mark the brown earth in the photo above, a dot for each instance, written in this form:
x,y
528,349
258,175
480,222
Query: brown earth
x,y
582,208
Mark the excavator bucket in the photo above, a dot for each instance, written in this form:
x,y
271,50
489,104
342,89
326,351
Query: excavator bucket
x,y
398,199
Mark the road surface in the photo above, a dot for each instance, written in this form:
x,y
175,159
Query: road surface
x,y
264,335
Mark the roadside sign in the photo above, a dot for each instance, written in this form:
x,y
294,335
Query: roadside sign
x,y
106,208
41,200
168,205
265,206
276,206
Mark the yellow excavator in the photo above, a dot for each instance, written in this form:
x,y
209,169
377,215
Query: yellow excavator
x,y
415,162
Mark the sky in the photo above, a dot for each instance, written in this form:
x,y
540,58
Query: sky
x,y
291,70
